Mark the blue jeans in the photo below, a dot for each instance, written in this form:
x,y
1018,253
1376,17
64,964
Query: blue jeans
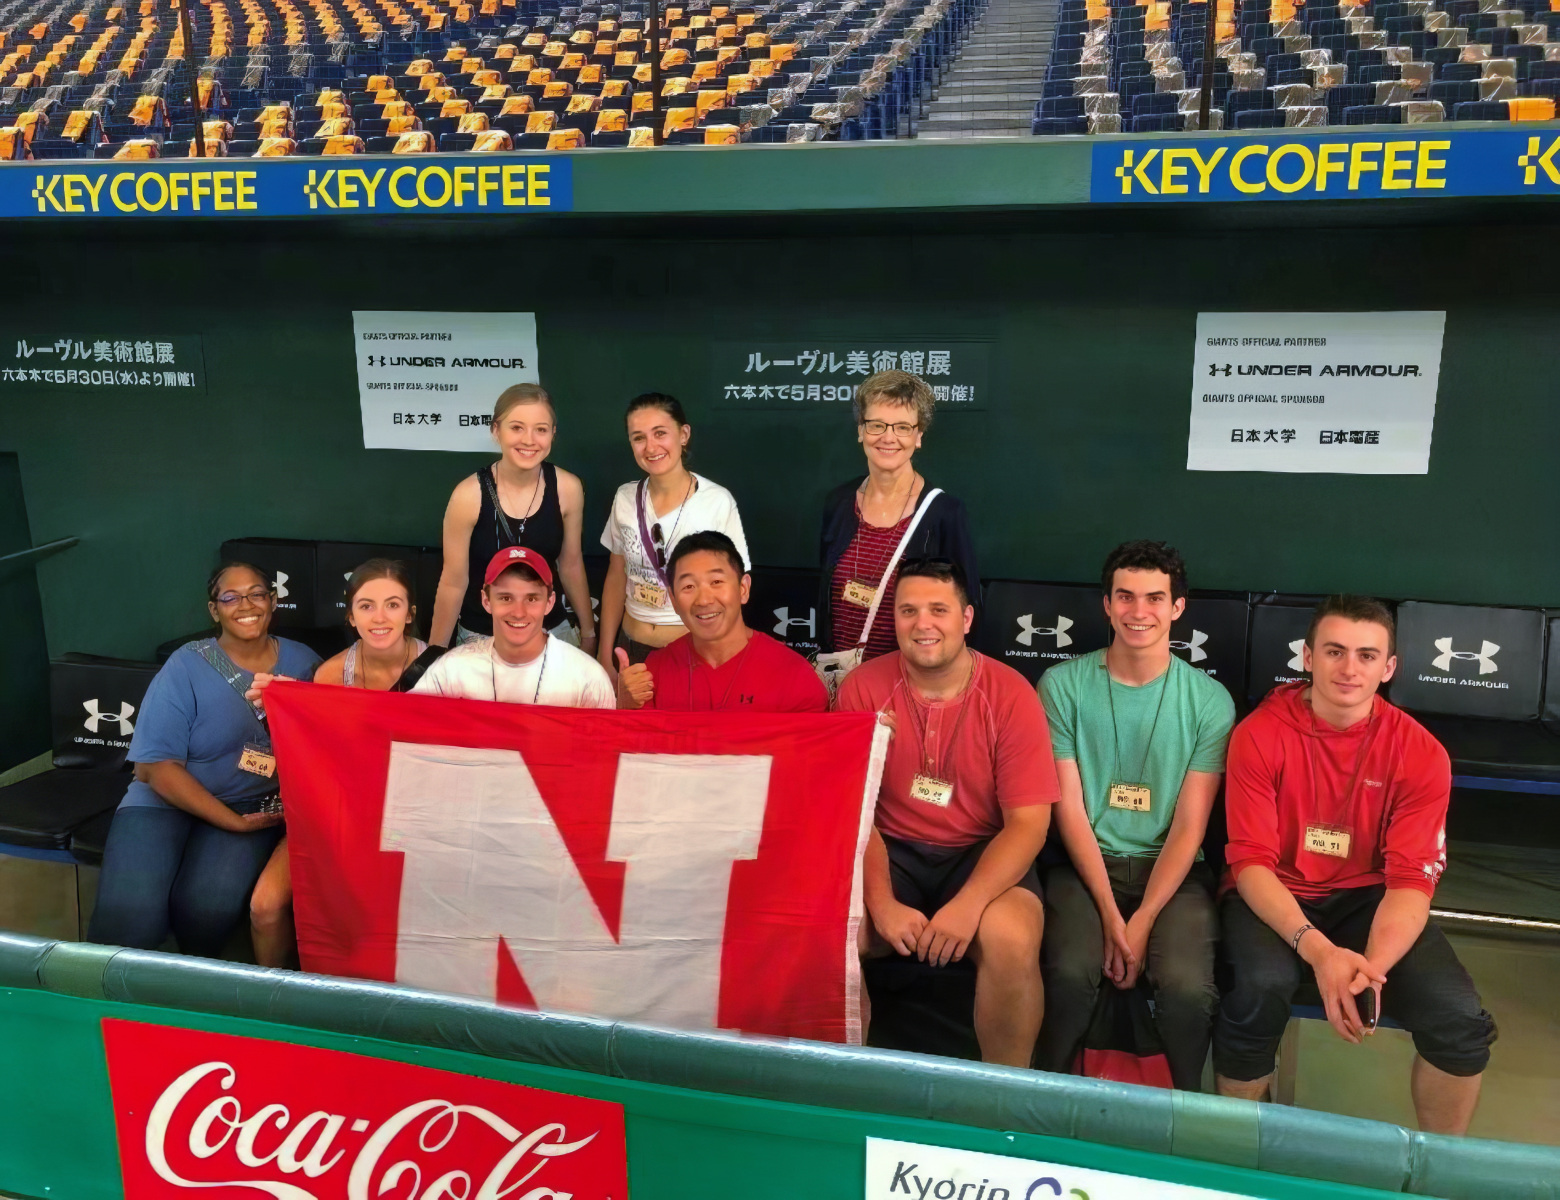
x,y
165,870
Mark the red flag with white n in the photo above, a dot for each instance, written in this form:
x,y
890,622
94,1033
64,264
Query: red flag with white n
x,y
694,870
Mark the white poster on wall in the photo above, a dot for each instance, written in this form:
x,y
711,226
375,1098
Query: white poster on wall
x,y
896,1170
1337,393
428,380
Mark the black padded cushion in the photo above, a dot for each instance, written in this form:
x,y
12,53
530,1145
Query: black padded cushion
x,y
784,604
86,844
94,705
1277,638
1499,749
42,811
1462,660
1211,636
1033,626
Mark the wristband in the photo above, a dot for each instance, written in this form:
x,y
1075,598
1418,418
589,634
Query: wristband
x,y
1294,942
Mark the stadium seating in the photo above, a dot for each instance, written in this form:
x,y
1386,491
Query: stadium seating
x,y
284,77
1288,63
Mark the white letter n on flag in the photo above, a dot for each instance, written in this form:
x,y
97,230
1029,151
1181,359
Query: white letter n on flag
x,y
484,860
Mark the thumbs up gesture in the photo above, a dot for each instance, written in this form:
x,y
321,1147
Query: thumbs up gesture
x,y
635,684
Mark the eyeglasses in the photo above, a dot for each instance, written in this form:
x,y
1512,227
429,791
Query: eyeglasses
x,y
902,429
660,545
256,597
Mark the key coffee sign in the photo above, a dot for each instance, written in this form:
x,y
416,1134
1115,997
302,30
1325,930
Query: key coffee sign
x,y
249,1117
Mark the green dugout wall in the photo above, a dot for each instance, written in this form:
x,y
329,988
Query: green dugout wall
x,y
1089,308
708,1116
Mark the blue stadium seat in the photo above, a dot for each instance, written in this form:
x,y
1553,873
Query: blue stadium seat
x,y
1372,73
1157,123
1482,110
1541,87
1347,95
1242,99
1156,102
1260,118
1453,93
1458,71
1303,75
1364,58
1059,125
1544,69
1063,107
1372,114
1282,62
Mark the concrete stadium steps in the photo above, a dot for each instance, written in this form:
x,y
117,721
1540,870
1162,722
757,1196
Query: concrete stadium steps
x,y
991,89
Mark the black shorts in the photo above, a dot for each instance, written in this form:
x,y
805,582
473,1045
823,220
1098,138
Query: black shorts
x,y
927,877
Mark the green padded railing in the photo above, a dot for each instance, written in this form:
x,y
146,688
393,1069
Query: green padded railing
x,y
1273,1138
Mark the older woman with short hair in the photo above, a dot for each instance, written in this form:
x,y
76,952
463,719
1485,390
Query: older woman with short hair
x,y
865,520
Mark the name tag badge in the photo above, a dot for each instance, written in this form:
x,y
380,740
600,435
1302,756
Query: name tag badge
x,y
649,594
1330,840
257,760
859,594
1133,797
931,790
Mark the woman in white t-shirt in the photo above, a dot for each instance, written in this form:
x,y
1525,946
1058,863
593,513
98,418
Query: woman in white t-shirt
x,y
649,517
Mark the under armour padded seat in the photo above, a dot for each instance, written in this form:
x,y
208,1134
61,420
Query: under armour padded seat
x,y
1278,628
1474,675
1211,636
93,703
1032,626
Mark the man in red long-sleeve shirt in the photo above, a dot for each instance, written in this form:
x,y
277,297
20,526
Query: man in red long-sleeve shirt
x,y
1336,803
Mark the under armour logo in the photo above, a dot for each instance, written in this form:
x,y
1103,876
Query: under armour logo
x,y
121,718
1485,657
1297,663
784,620
1216,369
1028,630
1193,647
281,585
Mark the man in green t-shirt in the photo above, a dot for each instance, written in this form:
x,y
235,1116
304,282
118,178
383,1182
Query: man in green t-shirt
x,y
1139,740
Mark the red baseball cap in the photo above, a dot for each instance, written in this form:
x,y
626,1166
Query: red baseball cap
x,y
517,556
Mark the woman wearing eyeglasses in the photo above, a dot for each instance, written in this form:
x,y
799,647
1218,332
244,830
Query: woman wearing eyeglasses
x,y
649,517
520,500
866,520
200,820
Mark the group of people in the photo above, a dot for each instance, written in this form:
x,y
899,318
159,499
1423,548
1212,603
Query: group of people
x,y
1335,800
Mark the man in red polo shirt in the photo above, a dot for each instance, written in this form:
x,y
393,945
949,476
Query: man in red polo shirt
x,y
722,664
963,808
1336,803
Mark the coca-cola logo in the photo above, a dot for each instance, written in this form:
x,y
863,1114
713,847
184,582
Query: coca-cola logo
x,y
246,1116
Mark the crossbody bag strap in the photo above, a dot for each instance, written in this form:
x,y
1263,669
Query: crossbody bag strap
x,y
230,671
893,563
644,536
486,475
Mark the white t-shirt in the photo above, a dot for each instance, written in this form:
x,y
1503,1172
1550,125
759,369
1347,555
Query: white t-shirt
x,y
569,677
711,507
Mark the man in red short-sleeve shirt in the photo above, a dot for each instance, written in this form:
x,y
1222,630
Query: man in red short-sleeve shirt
x,y
1336,803
721,665
963,808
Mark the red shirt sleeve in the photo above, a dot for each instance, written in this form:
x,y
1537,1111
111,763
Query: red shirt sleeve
x,y
1025,768
1415,834
1250,802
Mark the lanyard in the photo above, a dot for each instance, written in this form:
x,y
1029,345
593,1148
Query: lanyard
x,y
934,769
1110,691
541,675
1359,765
644,527
741,661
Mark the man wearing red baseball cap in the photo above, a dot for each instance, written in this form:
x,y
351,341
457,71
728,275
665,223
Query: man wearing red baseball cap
x,y
520,663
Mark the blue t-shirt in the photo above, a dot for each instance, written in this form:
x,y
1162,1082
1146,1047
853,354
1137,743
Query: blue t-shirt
x,y
192,715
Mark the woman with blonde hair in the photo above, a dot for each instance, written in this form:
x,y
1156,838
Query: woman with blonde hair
x,y
520,500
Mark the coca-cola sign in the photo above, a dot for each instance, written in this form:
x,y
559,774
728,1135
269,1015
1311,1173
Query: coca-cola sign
x,y
238,1116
